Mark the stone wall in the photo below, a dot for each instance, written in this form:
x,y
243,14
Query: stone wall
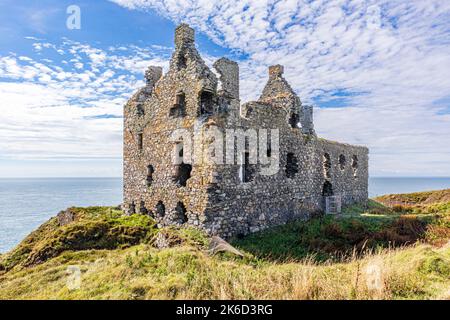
x,y
161,181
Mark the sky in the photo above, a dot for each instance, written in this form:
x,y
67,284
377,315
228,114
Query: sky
x,y
376,71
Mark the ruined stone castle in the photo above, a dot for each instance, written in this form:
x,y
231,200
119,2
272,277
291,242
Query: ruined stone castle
x,y
194,155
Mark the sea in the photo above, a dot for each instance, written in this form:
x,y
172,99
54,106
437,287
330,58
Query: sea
x,y
26,203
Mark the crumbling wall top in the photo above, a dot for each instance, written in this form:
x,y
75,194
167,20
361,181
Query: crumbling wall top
x,y
228,76
184,35
152,75
276,71
306,119
277,86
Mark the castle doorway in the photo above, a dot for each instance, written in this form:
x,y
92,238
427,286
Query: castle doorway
x,y
332,203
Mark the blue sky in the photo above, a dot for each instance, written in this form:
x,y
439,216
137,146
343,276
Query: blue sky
x,y
376,71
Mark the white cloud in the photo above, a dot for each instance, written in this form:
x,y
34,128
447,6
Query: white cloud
x,y
396,53
71,110
387,61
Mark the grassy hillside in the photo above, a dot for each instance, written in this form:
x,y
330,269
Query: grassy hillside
x,y
396,248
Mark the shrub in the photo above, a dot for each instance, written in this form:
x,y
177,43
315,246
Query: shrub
x,y
437,234
404,230
398,208
378,211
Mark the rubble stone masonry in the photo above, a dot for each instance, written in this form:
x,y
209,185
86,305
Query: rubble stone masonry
x,y
223,198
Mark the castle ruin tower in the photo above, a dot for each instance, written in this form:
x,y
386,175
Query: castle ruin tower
x,y
179,174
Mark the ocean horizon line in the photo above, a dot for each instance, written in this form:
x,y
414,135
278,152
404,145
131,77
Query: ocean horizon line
x,y
120,177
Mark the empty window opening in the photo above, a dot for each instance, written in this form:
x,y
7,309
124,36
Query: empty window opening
x,y
342,162
178,153
140,110
223,106
355,165
326,166
160,209
291,165
327,189
132,209
179,108
180,211
269,147
247,170
293,120
182,174
142,208
182,61
248,112
140,141
181,99
150,171
206,102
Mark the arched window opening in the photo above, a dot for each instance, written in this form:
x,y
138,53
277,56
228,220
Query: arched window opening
x,y
179,108
206,102
150,171
291,165
326,166
355,165
160,209
327,189
180,211
342,162
142,208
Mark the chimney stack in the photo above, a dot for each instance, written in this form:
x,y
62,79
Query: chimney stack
x,y
184,35
276,71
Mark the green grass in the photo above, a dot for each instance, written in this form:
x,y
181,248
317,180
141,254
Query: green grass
x,y
359,228
334,238
143,272
93,228
326,257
